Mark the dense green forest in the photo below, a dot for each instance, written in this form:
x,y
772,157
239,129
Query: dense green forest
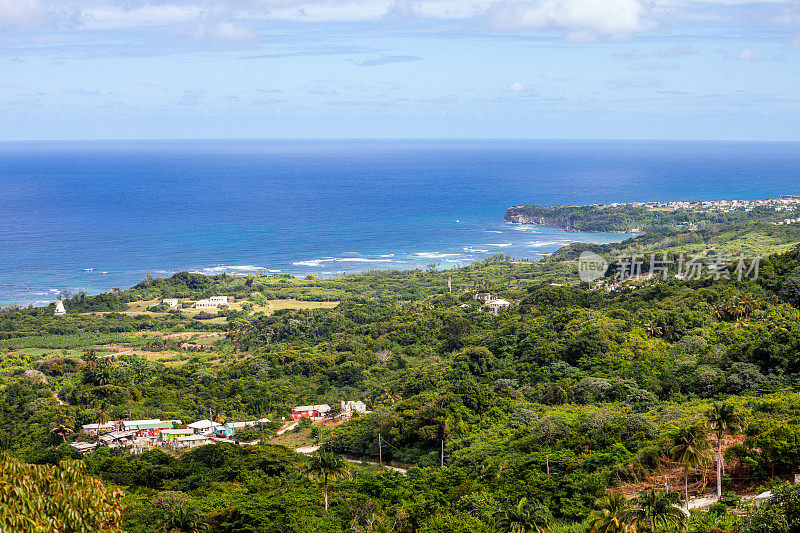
x,y
572,409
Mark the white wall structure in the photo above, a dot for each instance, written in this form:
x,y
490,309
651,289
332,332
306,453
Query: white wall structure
x,y
60,308
496,305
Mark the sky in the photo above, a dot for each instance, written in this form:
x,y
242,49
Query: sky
x,y
583,69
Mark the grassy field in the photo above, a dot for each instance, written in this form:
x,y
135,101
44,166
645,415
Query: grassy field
x,y
294,440
140,307
48,352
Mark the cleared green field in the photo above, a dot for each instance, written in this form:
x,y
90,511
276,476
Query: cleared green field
x,y
68,342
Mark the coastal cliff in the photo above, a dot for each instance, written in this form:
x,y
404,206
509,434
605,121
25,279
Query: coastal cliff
x,y
524,215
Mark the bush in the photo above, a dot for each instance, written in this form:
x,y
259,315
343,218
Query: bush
x,y
730,499
718,509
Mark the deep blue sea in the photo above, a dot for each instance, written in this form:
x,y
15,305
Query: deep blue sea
x,y
96,215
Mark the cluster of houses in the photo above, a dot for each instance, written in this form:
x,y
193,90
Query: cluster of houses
x,y
140,435
785,202
210,303
493,303
321,411
146,434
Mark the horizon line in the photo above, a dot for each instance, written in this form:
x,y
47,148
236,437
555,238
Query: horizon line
x,y
363,139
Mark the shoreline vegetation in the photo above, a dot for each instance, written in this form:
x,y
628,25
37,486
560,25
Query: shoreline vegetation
x,y
643,217
663,405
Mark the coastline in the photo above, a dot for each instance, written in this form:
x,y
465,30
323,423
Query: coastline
x,y
519,241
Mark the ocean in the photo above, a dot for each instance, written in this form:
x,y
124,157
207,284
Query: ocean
x,y
97,215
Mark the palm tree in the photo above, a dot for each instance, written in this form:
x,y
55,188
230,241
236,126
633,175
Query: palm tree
x,y
610,514
655,509
62,431
689,450
326,466
183,519
722,418
102,416
523,518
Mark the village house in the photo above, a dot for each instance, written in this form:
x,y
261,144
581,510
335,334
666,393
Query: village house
x,y
190,441
219,300
351,407
148,428
171,302
314,412
496,305
84,447
118,439
172,434
228,429
202,427
486,297
94,429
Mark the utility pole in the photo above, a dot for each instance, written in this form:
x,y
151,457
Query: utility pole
x,y
547,464
380,451
442,460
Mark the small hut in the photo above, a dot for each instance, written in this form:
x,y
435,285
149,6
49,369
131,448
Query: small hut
x,y
60,308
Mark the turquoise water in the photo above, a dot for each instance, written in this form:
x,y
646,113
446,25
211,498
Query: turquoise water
x,y
96,215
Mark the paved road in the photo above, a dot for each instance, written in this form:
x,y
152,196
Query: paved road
x,y
312,449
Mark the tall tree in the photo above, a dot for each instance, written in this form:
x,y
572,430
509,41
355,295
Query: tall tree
x,y
689,450
523,518
610,515
183,519
327,466
654,509
721,419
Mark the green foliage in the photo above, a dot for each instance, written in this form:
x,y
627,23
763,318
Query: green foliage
x,y
43,498
565,395
778,514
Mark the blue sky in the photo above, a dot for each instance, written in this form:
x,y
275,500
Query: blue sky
x,y
655,69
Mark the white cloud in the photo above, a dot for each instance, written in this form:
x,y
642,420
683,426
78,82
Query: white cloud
x,y
225,32
239,21
748,54
517,87
581,20
105,17
23,13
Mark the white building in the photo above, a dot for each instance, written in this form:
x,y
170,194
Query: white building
x,y
485,296
191,441
172,302
94,429
496,305
350,407
202,426
60,308
211,303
